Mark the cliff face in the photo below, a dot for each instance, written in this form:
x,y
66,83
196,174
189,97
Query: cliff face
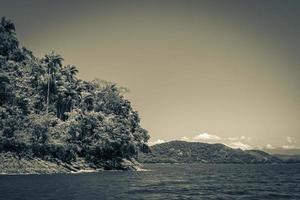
x,y
48,116
188,152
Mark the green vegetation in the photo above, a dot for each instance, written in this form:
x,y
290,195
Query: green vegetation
x,y
190,152
48,113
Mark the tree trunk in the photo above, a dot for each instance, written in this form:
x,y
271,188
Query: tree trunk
x,y
48,93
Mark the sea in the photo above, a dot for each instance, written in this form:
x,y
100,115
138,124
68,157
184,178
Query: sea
x,y
161,181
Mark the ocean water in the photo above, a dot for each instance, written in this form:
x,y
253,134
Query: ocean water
x,y
161,181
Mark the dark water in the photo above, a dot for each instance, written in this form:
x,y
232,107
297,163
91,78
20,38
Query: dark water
x,y
164,181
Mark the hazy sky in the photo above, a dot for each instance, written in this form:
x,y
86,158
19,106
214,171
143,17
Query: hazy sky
x,y
214,71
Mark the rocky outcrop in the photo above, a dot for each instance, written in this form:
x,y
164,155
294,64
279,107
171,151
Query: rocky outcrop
x,y
11,163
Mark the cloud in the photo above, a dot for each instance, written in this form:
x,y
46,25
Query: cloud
x,y
206,136
239,138
288,147
185,138
269,146
233,138
289,139
240,145
159,141
243,137
291,143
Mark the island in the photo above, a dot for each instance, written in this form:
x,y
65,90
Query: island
x,y
53,122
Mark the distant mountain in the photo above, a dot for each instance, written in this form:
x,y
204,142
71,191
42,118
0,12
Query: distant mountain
x,y
188,152
282,151
288,158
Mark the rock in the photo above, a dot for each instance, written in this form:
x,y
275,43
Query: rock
x,y
129,165
10,163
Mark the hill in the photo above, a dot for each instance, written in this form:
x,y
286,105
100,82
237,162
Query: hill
x,y
50,117
281,151
288,158
188,152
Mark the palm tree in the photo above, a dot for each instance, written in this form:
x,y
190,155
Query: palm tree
x,y
53,61
67,94
70,73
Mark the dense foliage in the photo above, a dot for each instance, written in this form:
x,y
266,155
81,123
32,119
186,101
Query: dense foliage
x,y
46,111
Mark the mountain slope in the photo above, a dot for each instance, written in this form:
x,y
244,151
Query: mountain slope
x,y
282,151
188,152
288,158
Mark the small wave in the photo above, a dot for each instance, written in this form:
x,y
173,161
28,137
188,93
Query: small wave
x,y
85,171
143,170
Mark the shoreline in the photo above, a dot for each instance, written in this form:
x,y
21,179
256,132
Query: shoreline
x,y
12,164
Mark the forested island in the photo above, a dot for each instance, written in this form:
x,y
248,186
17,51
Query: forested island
x,y
52,121
197,152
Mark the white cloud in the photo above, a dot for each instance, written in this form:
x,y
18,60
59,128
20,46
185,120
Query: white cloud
x,y
288,147
289,139
206,136
240,145
233,138
239,138
159,141
269,146
245,138
185,138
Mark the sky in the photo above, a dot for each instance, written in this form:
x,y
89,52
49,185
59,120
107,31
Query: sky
x,y
210,71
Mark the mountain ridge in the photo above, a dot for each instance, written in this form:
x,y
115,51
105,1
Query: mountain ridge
x,y
188,152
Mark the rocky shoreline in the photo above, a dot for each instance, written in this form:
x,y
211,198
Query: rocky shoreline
x,y
12,164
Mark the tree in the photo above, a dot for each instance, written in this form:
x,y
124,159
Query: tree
x,y
8,41
53,62
4,87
